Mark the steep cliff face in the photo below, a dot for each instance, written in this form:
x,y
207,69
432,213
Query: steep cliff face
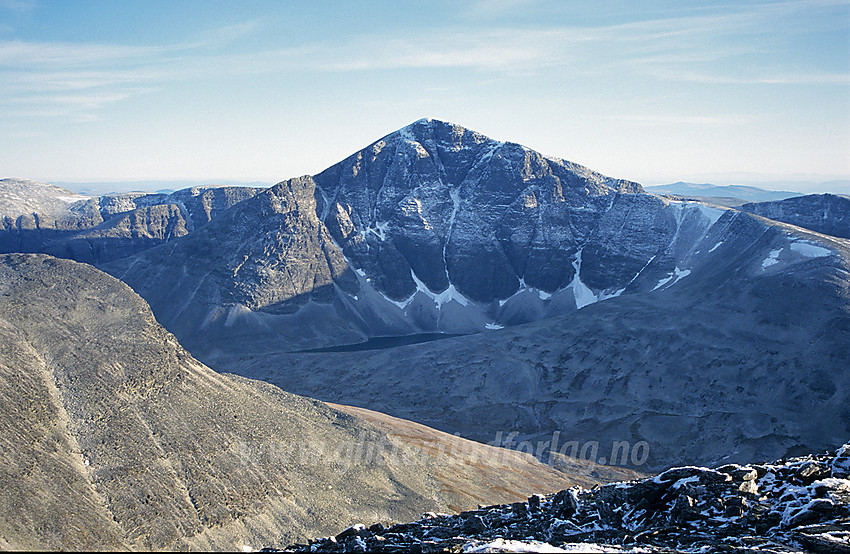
x,y
113,436
462,233
434,228
446,207
266,270
825,213
727,363
122,235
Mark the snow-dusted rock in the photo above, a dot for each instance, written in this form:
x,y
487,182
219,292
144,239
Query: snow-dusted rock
x,y
688,509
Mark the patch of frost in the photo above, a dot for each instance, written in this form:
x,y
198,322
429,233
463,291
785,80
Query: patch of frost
x,y
503,545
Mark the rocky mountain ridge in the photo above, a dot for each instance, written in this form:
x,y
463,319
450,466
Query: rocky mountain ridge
x,y
444,230
825,213
784,506
38,217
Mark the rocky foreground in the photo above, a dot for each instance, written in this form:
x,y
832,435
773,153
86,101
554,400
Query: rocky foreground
x,y
789,505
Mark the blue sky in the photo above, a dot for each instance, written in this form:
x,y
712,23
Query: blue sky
x,y
266,90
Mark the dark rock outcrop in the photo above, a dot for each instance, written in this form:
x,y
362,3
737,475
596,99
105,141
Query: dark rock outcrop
x,y
458,209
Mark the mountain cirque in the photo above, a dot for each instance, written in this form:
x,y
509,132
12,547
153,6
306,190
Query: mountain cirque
x,y
113,436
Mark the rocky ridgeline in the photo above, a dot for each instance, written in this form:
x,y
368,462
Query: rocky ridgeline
x,y
788,505
39,217
825,213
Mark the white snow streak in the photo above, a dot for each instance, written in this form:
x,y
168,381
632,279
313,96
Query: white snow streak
x,y
583,295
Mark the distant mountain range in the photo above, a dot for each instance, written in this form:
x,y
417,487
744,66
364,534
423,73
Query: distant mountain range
x,y
100,188
705,190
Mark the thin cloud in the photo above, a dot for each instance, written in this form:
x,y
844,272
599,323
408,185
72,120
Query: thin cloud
x,y
823,78
679,48
723,120
20,6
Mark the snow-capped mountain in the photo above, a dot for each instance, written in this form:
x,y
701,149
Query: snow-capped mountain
x,y
708,332
439,229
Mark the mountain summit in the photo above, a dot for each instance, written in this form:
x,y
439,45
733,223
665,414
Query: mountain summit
x,y
439,208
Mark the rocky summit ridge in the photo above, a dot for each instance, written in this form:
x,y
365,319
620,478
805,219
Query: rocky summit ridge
x,y
785,506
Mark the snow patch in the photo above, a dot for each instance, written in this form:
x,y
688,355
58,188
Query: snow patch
x,y
664,281
680,274
71,199
493,325
674,276
712,214
451,293
379,229
809,250
502,545
582,293
772,258
606,295
715,247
